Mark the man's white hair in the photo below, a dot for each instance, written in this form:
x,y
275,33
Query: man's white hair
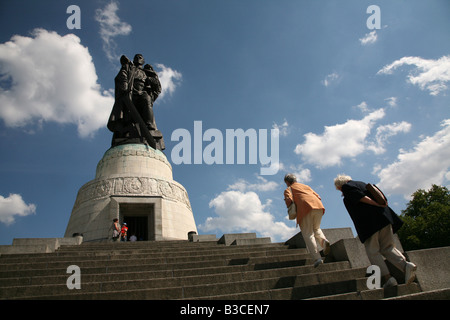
x,y
341,179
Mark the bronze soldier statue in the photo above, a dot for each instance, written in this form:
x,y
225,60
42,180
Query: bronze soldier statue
x,y
132,120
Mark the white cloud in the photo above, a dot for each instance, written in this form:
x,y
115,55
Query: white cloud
x,y
243,212
392,101
369,38
14,206
51,78
427,164
363,107
283,129
303,175
262,185
385,132
169,79
345,140
429,74
329,79
110,27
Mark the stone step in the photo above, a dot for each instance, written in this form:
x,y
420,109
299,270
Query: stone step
x,y
104,260
123,251
438,294
37,245
259,260
264,268
242,267
193,286
140,280
226,240
113,260
62,255
230,238
307,292
375,294
247,242
282,283
139,244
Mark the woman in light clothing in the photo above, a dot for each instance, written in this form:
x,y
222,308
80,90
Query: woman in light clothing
x,y
309,215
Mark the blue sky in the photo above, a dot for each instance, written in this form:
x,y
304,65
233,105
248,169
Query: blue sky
x,y
371,103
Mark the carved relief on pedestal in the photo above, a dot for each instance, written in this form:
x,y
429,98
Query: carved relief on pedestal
x,y
134,186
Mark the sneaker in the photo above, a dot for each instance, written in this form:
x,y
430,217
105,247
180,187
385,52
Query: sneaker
x,y
318,262
390,283
410,274
327,247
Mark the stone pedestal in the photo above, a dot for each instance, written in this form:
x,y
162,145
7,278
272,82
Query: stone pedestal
x,y
133,183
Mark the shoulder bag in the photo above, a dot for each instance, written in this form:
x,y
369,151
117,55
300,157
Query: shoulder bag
x,y
376,194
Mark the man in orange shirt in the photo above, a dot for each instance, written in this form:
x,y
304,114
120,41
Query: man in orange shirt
x,y
309,215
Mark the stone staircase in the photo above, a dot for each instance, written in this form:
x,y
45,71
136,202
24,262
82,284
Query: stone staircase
x,y
194,270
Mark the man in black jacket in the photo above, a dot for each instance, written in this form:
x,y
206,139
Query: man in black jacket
x,y
375,225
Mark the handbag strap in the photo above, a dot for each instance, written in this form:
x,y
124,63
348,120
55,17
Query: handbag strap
x,y
292,194
296,224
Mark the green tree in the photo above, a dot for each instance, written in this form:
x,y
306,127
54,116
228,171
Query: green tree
x,y
426,219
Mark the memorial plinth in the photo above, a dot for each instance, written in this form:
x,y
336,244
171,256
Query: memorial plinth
x,y
133,183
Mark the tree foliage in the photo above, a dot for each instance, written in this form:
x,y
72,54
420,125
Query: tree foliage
x,y
426,219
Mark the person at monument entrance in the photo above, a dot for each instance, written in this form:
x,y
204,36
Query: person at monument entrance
x,y
123,232
375,224
132,119
115,230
